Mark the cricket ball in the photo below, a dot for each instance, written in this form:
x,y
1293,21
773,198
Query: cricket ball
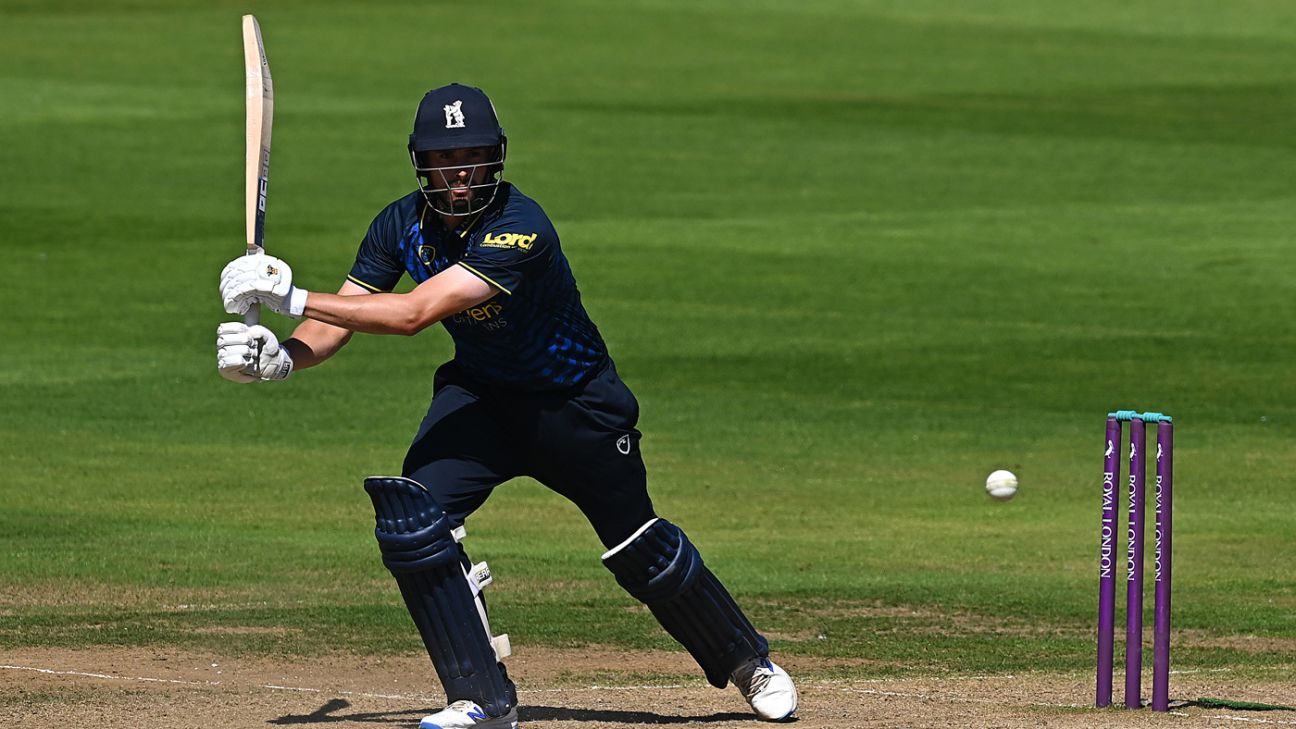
x,y
1001,485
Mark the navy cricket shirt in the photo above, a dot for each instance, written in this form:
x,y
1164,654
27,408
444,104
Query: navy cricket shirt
x,y
534,334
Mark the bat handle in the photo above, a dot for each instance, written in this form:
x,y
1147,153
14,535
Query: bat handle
x,y
253,315
252,318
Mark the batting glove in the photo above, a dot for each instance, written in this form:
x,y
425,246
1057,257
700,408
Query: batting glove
x,y
250,353
260,279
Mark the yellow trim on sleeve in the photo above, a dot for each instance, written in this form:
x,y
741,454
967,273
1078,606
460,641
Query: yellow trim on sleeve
x,y
374,289
485,278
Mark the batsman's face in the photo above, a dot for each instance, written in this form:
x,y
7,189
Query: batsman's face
x,y
455,175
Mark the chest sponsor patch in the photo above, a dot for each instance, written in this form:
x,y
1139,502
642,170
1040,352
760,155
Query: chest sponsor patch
x,y
509,240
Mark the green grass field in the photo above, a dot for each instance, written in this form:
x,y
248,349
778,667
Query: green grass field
x,y
852,257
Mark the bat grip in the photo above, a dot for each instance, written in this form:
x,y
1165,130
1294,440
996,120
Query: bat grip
x,y
253,315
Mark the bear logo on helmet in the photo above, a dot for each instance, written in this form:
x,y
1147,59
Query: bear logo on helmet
x,y
454,115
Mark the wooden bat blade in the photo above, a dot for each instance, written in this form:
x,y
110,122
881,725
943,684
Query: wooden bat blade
x,y
260,115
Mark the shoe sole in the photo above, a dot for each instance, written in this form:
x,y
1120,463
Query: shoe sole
x,y
508,721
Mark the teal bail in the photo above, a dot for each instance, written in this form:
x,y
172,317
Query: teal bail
x,y
1145,417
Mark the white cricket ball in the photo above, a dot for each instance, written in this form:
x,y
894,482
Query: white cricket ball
x,y
1001,485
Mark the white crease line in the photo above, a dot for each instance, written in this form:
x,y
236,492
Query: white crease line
x,y
1230,670
85,674
957,699
970,700
597,687
642,687
895,679
822,682
927,697
301,690
1251,720
296,689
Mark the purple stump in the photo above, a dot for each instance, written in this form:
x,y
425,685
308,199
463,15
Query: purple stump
x,y
1134,567
1164,512
1107,563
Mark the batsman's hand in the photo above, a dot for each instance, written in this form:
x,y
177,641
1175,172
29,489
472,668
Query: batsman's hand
x,y
237,348
260,279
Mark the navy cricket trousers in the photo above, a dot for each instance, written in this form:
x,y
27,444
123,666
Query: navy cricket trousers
x,y
580,443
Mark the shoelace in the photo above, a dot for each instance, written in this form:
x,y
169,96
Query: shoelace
x,y
756,680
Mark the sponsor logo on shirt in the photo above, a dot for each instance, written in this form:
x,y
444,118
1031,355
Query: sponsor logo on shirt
x,y
487,316
509,240
485,312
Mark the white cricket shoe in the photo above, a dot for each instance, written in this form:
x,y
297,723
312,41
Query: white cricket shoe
x,y
467,715
767,688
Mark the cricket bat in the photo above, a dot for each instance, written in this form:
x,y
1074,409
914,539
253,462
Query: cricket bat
x,y
260,113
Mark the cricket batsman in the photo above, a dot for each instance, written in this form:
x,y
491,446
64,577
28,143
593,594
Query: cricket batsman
x,y
531,391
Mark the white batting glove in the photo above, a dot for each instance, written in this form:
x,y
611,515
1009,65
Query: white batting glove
x,y
260,279
250,354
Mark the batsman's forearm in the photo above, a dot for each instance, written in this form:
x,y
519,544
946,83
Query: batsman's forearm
x,y
375,313
313,342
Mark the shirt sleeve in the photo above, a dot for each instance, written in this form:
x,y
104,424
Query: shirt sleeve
x,y
508,254
377,264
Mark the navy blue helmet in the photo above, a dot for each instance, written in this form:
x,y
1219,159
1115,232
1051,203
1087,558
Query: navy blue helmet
x,y
451,118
